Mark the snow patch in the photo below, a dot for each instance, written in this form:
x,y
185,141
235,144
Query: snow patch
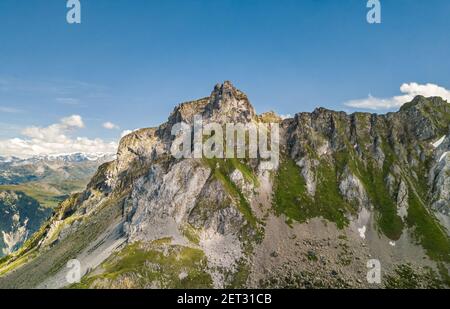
x,y
443,156
392,243
362,232
439,142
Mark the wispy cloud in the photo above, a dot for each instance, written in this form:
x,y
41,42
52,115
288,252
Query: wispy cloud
x,y
68,101
56,87
54,139
287,116
110,126
409,91
9,129
3,84
127,132
9,110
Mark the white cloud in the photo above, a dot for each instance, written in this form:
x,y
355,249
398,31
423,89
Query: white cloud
x,y
409,91
125,133
68,101
57,88
74,121
9,110
110,126
54,139
55,131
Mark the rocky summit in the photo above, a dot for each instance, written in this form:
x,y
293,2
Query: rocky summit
x,y
349,190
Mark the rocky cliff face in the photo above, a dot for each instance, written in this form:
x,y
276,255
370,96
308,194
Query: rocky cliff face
x,y
348,188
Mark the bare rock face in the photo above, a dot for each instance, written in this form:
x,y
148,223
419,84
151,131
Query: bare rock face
x,y
225,104
421,124
402,200
308,166
352,189
162,200
440,181
228,104
242,184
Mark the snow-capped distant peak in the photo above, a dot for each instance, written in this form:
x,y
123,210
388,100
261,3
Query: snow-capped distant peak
x,y
78,157
8,159
63,157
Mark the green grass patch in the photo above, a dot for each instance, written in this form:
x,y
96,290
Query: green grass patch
x,y
406,277
239,278
373,179
164,266
46,197
291,197
427,231
191,234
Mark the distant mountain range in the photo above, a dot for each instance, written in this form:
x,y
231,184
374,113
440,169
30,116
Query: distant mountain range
x,y
73,157
75,166
30,188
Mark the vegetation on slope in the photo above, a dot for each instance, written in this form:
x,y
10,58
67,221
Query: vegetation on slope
x,y
221,170
155,265
405,277
373,180
291,197
428,231
33,265
46,195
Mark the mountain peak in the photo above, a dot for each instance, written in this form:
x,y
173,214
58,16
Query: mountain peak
x,y
226,85
420,101
226,91
225,104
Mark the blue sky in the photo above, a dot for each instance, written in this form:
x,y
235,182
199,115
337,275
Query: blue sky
x,y
131,61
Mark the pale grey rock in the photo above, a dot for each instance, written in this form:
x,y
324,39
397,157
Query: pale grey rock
x,y
308,167
228,104
162,200
402,200
391,183
244,186
353,190
440,183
